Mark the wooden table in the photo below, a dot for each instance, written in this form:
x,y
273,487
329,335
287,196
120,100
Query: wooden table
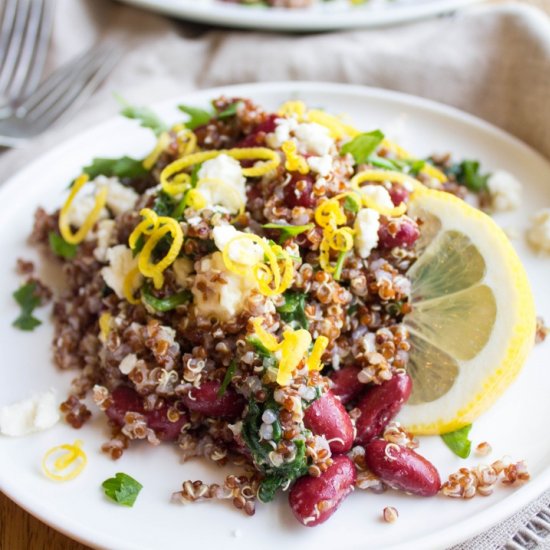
x,y
21,531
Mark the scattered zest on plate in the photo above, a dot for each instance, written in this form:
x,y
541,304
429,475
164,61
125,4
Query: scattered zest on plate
x,y
276,289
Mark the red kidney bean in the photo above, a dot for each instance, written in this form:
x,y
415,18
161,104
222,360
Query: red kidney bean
x,y
402,468
314,499
299,194
206,400
126,399
406,235
345,383
398,194
327,416
379,405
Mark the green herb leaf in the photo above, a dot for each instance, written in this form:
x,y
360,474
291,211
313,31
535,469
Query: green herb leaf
x,y
254,341
340,264
230,111
146,117
164,204
61,247
122,489
351,204
167,303
363,145
124,167
458,441
28,300
197,117
293,311
467,173
288,231
227,378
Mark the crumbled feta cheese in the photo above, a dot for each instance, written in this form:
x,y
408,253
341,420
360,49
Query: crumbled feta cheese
x,y
34,414
366,228
230,194
538,235
182,267
378,194
321,165
121,262
80,209
217,292
242,251
314,138
120,198
283,130
127,365
505,191
105,231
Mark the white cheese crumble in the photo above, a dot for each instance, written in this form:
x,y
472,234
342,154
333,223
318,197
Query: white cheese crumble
x,y
230,194
283,132
314,138
121,262
104,233
242,251
321,165
378,194
34,414
505,191
126,366
366,228
182,267
217,292
80,209
538,235
120,198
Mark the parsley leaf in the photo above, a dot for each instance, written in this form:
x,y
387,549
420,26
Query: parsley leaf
x,y
351,204
458,441
363,145
288,231
28,300
293,310
198,117
227,378
61,247
230,111
146,117
123,167
467,173
122,489
168,303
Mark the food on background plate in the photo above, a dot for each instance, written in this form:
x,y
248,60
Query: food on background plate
x,y
273,290
296,3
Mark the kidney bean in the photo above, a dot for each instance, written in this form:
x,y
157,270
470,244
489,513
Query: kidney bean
x,y
345,383
379,405
327,416
206,400
406,235
126,399
402,468
314,499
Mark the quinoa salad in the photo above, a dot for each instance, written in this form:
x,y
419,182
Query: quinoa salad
x,y
242,293
296,3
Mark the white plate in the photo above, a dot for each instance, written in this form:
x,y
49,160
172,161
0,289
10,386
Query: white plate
x,y
338,14
517,425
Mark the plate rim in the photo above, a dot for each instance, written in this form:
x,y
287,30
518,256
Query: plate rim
x,y
281,20
453,534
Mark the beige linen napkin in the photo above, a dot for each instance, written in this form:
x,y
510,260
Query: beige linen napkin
x,y
493,62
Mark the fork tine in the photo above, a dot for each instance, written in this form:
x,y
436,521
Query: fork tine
x,y
33,54
80,89
14,41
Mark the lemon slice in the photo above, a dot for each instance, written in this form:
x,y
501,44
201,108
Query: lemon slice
x,y
473,317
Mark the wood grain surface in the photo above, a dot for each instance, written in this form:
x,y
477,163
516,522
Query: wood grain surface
x,y
21,531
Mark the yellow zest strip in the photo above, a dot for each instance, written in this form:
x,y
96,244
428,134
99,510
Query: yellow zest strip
x,y
314,360
427,169
70,454
226,187
104,325
154,270
162,143
195,199
337,128
147,226
293,108
186,139
294,161
93,216
247,153
128,286
267,339
330,213
268,275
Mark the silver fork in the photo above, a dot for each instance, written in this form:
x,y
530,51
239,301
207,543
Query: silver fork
x,y
63,91
25,30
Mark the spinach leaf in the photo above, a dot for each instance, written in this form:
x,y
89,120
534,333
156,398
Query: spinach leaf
x,y
124,167
363,145
60,247
293,310
197,117
146,117
230,111
468,173
288,231
458,441
165,304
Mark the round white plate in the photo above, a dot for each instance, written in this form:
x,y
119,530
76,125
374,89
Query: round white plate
x,y
337,14
516,426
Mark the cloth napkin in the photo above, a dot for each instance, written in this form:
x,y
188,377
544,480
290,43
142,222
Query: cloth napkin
x,y
492,61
